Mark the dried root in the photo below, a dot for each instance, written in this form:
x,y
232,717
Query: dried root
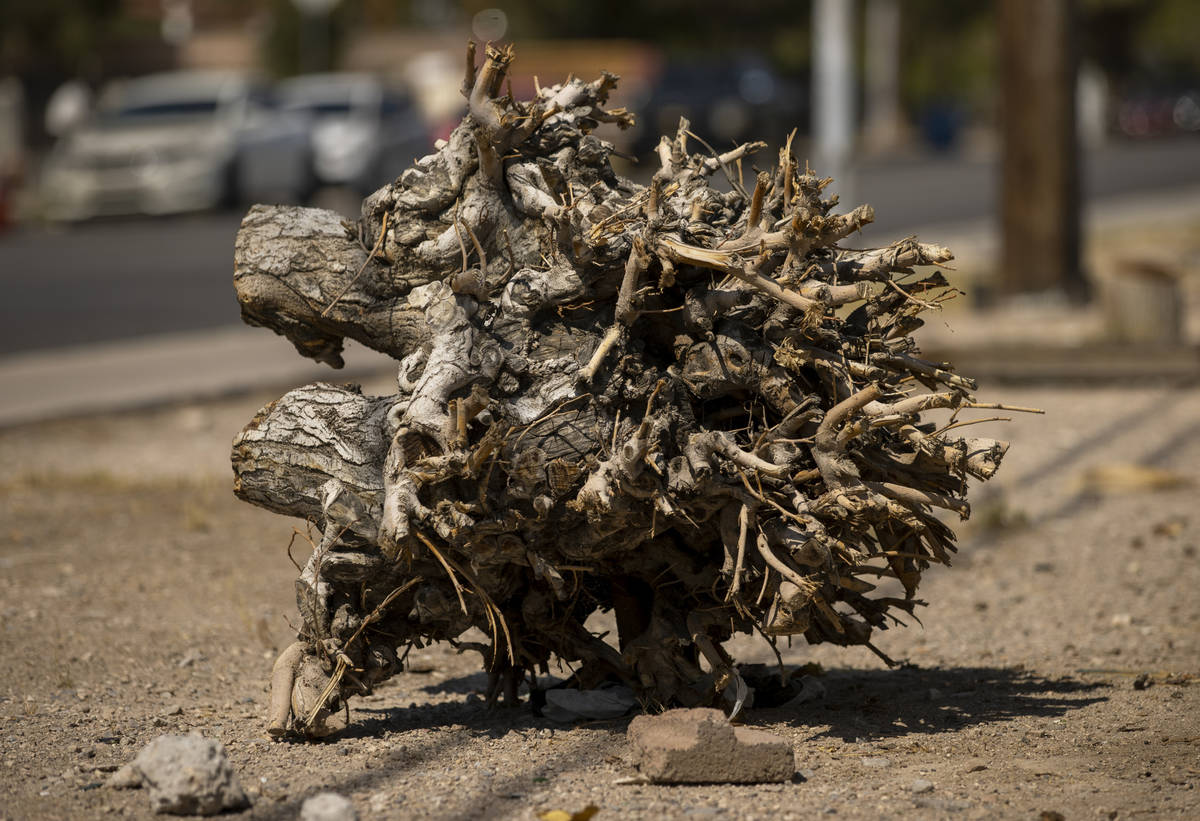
x,y
687,406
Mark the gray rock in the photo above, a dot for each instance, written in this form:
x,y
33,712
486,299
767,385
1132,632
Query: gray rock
x,y
921,786
566,705
189,775
876,762
700,746
328,806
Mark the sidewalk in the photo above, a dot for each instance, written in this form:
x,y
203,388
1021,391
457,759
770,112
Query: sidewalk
x,y
1044,338
149,371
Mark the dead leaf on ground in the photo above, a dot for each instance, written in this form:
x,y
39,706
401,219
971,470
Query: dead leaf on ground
x,y
1126,477
562,815
1171,527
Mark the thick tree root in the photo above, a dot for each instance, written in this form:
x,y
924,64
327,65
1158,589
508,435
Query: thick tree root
x,y
283,676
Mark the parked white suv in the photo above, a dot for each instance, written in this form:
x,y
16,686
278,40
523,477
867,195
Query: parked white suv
x,y
364,133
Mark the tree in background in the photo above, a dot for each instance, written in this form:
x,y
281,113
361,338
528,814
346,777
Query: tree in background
x,y
1135,40
948,59
296,43
63,35
46,42
948,68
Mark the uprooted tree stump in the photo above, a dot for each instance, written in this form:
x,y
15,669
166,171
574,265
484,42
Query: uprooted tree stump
x,y
687,406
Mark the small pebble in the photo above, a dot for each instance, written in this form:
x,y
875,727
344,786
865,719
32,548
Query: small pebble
x,y
328,806
921,786
876,763
125,778
190,658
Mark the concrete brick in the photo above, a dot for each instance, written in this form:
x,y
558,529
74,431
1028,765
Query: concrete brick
x,y
700,746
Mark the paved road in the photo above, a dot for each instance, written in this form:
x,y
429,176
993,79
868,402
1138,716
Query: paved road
x,y
122,279
115,279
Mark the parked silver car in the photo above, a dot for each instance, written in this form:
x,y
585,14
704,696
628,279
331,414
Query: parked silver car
x,y
363,132
179,141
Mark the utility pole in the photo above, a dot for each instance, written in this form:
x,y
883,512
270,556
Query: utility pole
x,y
1040,154
881,118
834,97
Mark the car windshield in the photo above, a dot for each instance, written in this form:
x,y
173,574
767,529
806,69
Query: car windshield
x,y
330,96
158,111
325,105
324,108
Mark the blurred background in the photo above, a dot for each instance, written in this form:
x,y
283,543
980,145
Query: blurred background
x,y
1054,145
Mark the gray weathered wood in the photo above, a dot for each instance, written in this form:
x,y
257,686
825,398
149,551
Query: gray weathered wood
x,y
688,406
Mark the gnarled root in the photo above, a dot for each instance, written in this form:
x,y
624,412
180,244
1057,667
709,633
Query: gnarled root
x,y
283,676
681,403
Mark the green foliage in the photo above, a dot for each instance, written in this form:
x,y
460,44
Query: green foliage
x,y
950,48
63,34
1167,37
1135,40
295,44
776,29
949,53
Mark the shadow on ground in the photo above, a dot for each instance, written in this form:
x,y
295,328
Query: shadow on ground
x,y
860,705
447,726
462,685
871,704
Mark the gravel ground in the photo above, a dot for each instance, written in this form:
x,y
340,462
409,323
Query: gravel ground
x,y
138,597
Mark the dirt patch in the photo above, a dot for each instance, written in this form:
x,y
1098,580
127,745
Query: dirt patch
x,y
138,597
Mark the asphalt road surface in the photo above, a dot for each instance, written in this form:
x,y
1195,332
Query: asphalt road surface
x,y
118,279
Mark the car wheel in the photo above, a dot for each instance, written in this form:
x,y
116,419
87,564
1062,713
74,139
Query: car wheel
x,y
308,184
231,195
